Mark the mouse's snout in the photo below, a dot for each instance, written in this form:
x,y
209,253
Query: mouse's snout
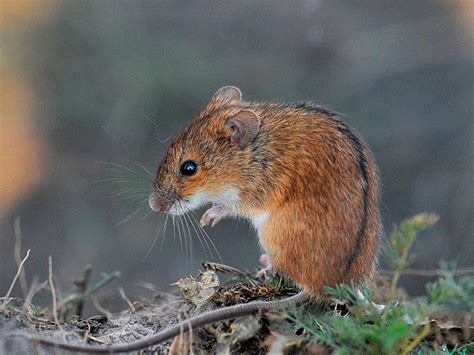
x,y
156,204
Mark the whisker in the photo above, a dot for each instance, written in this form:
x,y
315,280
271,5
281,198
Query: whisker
x,y
139,198
209,238
208,250
188,222
164,234
115,181
180,212
186,248
199,236
116,165
149,213
157,129
185,237
122,168
161,233
189,236
134,190
130,216
174,233
158,233
143,167
179,235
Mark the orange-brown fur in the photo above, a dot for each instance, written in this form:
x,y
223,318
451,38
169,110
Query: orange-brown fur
x,y
308,171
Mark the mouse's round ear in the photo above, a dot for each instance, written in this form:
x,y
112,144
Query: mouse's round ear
x,y
228,93
242,128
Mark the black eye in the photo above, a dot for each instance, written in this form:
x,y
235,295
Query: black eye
x,y
188,168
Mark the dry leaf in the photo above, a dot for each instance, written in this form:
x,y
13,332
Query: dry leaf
x,y
199,292
240,330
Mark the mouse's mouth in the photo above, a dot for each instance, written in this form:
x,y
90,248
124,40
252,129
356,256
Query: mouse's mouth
x,y
166,202
176,205
182,206
156,204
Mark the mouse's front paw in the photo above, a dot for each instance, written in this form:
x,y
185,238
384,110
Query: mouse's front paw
x,y
213,215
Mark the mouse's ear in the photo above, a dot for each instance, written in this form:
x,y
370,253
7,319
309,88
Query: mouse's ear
x,y
228,93
242,128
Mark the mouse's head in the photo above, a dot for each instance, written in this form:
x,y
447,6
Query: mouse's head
x,y
210,159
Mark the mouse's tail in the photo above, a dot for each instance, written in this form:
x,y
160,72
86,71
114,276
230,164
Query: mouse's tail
x,y
198,321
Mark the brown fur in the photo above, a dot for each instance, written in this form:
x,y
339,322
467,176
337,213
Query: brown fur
x,y
306,169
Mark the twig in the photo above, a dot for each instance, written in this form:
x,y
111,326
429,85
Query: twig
x,y
125,298
99,307
81,284
17,253
20,267
53,291
87,332
424,333
148,286
97,340
34,288
429,273
190,338
217,267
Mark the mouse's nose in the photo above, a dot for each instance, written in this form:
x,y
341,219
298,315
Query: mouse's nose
x,y
155,203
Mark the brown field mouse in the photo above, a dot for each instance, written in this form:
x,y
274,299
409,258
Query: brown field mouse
x,y
305,180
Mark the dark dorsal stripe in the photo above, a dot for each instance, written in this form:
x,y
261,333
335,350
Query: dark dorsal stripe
x,y
311,106
357,144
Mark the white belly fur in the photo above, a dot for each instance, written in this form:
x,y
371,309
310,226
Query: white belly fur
x,y
259,222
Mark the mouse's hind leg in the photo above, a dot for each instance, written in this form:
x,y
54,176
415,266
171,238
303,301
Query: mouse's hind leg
x,y
267,267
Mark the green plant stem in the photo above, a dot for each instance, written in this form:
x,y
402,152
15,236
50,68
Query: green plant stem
x,y
79,298
424,333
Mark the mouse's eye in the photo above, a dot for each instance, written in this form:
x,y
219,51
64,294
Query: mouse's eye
x,y
188,168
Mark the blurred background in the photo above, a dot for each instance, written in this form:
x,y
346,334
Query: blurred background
x,y
92,90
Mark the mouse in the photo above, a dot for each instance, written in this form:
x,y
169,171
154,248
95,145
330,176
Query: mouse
x,y
303,178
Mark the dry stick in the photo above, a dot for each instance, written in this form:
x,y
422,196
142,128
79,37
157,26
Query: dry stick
x,y
177,346
190,332
87,332
148,286
81,285
180,340
100,341
125,298
20,267
223,268
30,294
34,289
53,291
17,253
100,308
429,273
